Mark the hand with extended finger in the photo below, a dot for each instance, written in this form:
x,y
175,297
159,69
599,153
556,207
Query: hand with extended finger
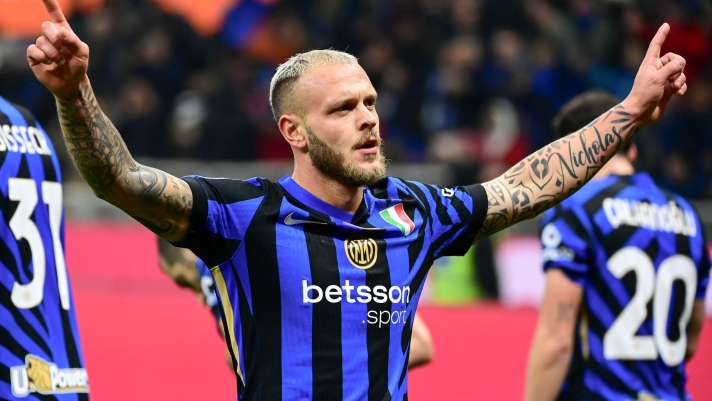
x,y
657,80
58,58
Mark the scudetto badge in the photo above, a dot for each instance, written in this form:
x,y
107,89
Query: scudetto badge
x,y
362,252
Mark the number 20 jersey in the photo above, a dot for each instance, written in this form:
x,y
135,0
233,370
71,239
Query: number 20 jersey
x,y
40,355
640,255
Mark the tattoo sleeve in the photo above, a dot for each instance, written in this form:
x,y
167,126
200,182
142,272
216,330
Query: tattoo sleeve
x,y
156,199
555,172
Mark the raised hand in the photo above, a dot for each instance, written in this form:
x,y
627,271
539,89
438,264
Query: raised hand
x,y
58,58
658,79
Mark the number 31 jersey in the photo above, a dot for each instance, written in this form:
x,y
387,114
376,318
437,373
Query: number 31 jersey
x,y
640,255
40,356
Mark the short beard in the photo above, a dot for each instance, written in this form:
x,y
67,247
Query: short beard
x,y
333,164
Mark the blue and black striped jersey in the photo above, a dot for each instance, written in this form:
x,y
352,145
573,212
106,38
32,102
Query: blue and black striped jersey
x,y
640,255
318,303
40,355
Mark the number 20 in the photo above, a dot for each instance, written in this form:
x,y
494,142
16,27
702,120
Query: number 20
x,y
621,342
24,190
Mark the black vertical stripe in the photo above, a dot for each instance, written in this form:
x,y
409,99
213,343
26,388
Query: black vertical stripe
x,y
327,359
263,269
70,342
251,364
378,338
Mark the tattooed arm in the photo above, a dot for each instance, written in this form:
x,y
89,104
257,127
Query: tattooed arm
x,y
157,200
553,344
558,170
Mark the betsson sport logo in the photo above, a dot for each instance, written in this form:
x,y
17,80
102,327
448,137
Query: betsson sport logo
x,y
38,375
362,253
363,294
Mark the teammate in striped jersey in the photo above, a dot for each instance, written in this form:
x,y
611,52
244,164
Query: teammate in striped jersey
x,y
319,273
40,354
188,271
626,274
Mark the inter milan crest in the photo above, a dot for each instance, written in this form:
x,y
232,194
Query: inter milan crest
x,y
362,252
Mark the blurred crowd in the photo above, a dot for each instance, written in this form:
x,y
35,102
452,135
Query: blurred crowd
x,y
475,83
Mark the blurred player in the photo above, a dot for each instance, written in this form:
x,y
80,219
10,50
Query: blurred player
x,y
626,274
39,338
188,271
319,274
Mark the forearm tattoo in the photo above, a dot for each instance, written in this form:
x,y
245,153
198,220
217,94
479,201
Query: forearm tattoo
x,y
103,160
555,172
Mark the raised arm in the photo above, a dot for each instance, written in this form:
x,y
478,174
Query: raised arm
x,y
156,199
559,169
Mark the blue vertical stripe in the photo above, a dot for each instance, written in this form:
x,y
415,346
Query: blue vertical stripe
x,y
296,315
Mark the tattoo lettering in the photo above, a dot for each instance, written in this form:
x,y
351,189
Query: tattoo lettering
x,y
555,172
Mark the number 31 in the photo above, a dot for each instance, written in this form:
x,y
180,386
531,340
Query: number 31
x,y
24,190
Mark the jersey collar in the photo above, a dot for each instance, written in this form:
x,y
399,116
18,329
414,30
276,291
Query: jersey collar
x,y
313,202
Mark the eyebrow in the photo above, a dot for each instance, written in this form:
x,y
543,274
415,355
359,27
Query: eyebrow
x,y
349,99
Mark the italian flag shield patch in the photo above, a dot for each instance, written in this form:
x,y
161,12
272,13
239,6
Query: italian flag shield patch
x,y
396,216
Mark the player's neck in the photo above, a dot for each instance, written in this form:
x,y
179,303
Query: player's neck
x,y
344,197
618,165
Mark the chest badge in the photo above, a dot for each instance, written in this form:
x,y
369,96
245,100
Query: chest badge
x,y
395,215
361,252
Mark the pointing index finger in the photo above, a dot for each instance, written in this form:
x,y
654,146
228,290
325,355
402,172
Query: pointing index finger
x,y
655,45
55,12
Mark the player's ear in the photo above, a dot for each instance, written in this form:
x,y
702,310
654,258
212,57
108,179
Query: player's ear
x,y
292,130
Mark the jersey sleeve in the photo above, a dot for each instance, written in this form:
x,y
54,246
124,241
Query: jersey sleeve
x,y
565,244
222,210
456,215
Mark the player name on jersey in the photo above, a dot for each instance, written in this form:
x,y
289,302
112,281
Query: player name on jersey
x,y
667,218
23,140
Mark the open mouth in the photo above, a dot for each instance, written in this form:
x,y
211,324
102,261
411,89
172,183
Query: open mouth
x,y
369,144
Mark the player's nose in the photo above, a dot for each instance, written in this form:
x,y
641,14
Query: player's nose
x,y
367,117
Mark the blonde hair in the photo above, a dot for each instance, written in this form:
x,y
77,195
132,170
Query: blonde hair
x,y
289,72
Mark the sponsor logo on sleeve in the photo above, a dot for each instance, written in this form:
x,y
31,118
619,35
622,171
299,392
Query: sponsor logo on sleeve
x,y
38,375
554,250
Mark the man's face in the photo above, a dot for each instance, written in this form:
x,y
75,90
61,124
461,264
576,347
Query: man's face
x,y
341,123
